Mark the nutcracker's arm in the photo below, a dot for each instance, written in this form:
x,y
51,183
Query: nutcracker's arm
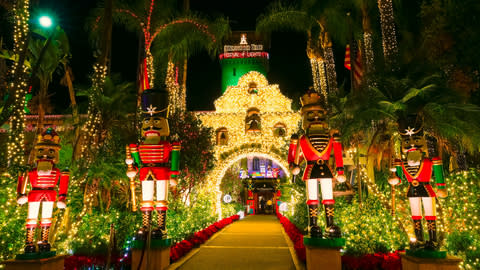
x,y
63,188
175,159
135,155
397,163
438,172
396,175
22,184
294,152
337,152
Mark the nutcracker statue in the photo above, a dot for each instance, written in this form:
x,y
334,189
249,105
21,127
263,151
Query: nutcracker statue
x,y
43,180
418,169
315,147
157,158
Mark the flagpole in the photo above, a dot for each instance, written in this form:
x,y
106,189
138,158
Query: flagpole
x,y
352,50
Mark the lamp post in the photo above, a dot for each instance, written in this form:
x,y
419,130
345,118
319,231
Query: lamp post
x,y
45,22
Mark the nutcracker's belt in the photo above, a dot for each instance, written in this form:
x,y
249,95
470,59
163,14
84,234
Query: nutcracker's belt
x,y
49,188
319,161
157,165
415,183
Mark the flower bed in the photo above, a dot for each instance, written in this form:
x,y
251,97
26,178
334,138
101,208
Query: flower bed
x,y
295,235
379,260
183,247
387,261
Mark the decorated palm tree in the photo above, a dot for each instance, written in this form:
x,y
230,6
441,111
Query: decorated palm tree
x,y
315,19
153,19
389,39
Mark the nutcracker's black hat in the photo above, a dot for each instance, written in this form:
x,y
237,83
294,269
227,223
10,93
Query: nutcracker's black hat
x,y
155,102
410,125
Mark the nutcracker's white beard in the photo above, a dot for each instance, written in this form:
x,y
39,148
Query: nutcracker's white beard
x,y
414,158
44,167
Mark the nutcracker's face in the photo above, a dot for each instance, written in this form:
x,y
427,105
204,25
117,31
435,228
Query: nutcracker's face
x,y
315,121
45,158
153,127
413,148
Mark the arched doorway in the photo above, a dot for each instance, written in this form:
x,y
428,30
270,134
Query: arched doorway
x,y
217,174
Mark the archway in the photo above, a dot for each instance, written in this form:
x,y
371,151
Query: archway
x,y
215,177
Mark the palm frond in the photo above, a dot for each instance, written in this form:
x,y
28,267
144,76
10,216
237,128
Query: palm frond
x,y
280,18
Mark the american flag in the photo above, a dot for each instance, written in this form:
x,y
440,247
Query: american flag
x,y
347,58
358,68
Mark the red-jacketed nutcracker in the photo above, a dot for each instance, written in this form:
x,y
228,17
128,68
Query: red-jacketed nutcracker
x,y
315,147
158,159
43,179
418,170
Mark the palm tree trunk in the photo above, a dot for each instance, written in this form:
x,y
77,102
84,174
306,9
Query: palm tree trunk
x,y
367,43
326,43
183,94
330,67
389,39
73,102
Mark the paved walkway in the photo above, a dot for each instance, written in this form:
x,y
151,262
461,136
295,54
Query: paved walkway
x,y
256,242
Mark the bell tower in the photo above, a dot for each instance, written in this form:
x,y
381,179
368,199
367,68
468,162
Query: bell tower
x,y
242,53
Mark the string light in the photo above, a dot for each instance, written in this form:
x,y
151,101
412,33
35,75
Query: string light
x,y
368,52
389,39
330,67
173,88
16,138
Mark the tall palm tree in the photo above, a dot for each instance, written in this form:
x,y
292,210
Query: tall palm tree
x,y
151,19
177,42
315,19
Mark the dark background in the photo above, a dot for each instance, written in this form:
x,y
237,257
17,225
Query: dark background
x,y
289,65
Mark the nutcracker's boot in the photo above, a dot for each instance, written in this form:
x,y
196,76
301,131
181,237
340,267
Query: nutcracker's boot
x,y
313,229
333,231
161,231
417,226
44,246
432,243
29,245
143,231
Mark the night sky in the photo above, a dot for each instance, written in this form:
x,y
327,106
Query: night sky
x,y
289,65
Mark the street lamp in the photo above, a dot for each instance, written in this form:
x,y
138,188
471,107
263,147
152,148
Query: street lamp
x,y
45,21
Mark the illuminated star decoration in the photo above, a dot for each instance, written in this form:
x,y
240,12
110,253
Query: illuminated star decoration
x,y
243,39
410,131
151,110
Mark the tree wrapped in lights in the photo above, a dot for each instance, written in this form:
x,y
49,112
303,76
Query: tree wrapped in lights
x,y
153,19
18,88
389,38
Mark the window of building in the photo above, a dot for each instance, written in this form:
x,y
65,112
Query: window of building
x,y
222,136
279,130
252,121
